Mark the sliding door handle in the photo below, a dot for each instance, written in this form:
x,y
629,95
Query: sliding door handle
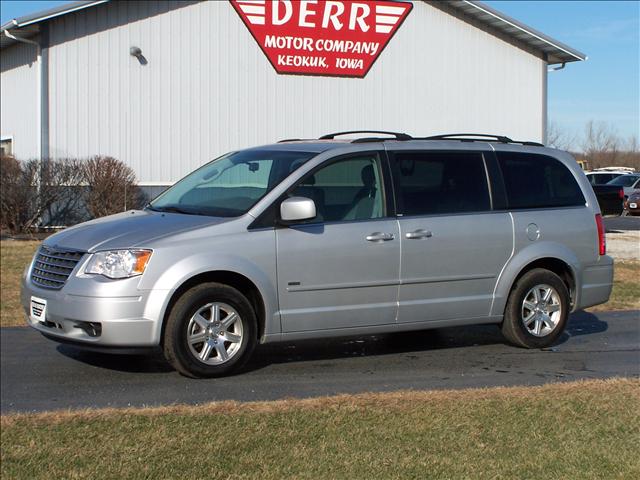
x,y
418,234
380,237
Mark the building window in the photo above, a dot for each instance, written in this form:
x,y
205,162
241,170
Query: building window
x,y
6,147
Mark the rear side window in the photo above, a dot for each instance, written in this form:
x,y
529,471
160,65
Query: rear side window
x,y
431,183
538,181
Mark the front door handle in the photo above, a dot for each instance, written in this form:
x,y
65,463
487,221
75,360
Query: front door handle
x,y
420,233
380,237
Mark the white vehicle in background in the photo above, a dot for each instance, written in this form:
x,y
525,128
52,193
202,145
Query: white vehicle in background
x,y
615,169
602,176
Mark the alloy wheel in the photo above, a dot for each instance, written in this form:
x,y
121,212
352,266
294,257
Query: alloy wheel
x,y
541,310
214,333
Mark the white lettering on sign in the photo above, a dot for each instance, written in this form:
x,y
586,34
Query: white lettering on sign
x,y
360,19
353,63
276,17
302,61
282,12
305,12
333,16
307,44
322,37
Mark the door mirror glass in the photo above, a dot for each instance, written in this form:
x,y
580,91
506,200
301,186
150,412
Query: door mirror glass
x,y
296,209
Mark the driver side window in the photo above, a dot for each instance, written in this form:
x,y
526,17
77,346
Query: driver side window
x,y
346,190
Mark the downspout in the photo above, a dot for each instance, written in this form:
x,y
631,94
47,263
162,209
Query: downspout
x,y
545,100
39,95
555,69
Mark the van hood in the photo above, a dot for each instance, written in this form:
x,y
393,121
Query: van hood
x,y
127,229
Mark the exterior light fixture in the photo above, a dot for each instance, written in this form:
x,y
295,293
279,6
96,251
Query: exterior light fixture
x,y
137,52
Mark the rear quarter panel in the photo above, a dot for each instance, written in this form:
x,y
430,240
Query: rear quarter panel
x,y
568,234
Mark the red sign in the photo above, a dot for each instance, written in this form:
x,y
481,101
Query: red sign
x,y
322,37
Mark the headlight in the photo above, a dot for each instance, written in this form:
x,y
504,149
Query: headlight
x,y
119,263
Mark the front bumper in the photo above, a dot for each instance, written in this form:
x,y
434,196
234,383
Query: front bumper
x,y
127,317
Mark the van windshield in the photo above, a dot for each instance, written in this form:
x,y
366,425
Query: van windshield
x,y
230,185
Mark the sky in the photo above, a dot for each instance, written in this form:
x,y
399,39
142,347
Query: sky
x,y
605,88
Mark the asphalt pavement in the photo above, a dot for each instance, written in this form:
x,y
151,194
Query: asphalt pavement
x,y
622,223
38,374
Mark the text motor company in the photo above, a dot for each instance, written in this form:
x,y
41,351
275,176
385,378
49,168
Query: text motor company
x,y
318,37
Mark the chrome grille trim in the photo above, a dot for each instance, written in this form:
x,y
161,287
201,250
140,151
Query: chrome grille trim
x,y
51,267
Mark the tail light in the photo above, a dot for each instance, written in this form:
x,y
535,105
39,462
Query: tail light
x,y
602,241
621,193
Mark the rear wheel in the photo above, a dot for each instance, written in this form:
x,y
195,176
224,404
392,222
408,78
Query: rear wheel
x,y
210,332
537,309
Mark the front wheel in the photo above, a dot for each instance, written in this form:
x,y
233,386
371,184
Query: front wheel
x,y
537,310
210,332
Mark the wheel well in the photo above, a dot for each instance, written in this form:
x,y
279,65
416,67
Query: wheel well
x,y
557,266
232,279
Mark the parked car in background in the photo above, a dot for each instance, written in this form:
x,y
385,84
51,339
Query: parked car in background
x,y
326,238
602,178
628,182
610,198
632,205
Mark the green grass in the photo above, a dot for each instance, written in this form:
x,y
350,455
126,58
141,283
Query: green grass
x,y
582,430
14,258
626,288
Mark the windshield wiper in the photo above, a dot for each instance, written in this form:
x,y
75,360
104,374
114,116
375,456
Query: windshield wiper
x,y
171,209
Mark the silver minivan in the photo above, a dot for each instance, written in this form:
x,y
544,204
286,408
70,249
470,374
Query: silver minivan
x,y
328,237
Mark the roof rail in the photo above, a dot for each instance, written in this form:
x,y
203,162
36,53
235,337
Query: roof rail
x,y
472,137
469,137
615,169
397,135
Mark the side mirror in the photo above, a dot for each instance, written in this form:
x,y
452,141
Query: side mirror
x,y
295,209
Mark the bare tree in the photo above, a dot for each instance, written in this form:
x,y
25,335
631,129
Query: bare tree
x,y
112,187
33,190
602,147
560,138
599,137
631,144
14,200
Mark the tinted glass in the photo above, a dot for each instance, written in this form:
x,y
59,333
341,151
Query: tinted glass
x,y
346,190
230,185
601,178
624,180
538,181
429,183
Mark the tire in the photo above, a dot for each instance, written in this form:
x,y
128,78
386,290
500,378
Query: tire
x,y
529,320
207,321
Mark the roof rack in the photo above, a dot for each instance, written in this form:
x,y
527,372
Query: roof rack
x,y
483,137
469,137
397,135
463,137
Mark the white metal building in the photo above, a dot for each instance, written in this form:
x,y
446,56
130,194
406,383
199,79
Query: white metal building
x,y
200,85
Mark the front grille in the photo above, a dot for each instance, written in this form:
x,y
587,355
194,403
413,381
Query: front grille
x,y
52,267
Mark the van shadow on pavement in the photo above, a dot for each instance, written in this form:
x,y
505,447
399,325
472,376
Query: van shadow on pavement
x,y
580,323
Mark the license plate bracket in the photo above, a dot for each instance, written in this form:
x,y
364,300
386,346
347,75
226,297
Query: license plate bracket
x,y
38,309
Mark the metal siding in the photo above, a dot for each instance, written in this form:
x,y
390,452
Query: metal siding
x,y
208,88
19,99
